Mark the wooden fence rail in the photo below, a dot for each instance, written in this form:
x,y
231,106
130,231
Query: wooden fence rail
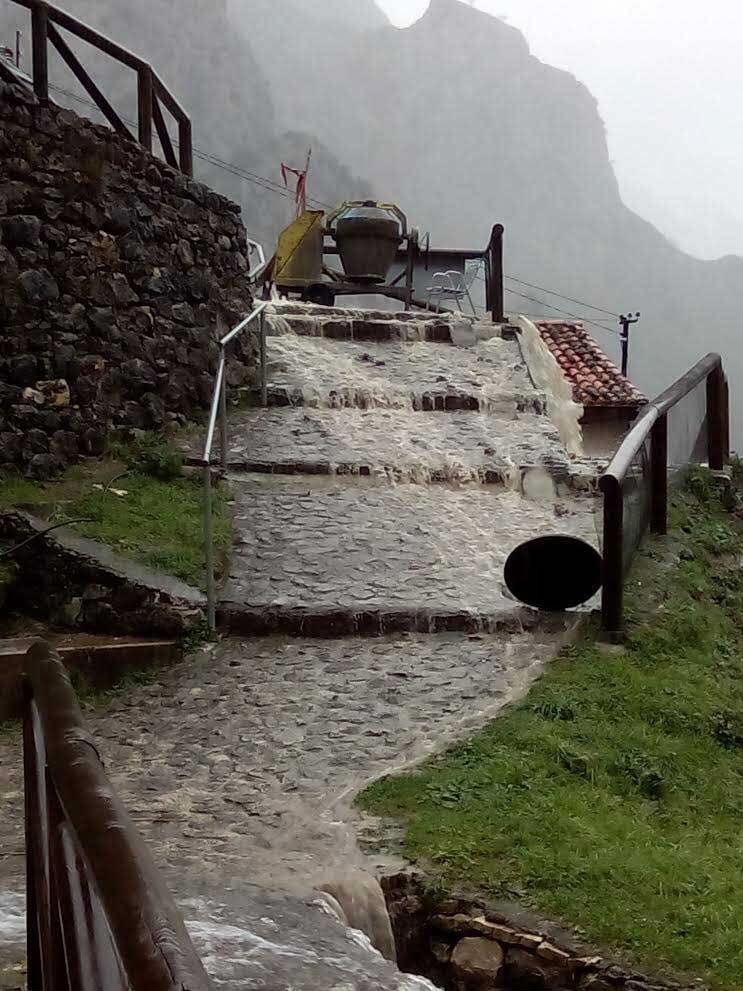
x,y
152,94
98,915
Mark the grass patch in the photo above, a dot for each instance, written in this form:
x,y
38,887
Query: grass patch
x,y
612,797
156,518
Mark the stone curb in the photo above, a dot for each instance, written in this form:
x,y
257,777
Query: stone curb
x,y
307,621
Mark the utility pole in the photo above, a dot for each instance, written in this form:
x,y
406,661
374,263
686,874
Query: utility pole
x,y
18,49
626,322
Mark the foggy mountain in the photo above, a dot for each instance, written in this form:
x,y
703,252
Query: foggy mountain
x,y
452,118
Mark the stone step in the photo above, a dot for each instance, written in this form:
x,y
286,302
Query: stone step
x,y
338,556
337,323
488,376
522,453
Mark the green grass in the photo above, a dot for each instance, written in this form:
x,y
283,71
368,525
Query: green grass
x,y
612,797
158,522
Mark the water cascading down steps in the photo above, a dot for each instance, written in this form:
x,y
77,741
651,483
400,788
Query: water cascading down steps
x,y
398,463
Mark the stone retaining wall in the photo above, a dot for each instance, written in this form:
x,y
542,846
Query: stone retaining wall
x,y
77,583
116,274
465,944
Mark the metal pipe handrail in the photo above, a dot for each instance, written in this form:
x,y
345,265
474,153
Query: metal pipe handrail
x,y
653,425
99,913
218,411
626,452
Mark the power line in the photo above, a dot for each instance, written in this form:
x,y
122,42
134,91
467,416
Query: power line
x,y
552,292
566,313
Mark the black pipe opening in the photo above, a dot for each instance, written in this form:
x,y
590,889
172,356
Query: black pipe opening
x,y
554,573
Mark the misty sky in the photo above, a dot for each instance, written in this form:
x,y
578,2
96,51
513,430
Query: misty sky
x,y
668,75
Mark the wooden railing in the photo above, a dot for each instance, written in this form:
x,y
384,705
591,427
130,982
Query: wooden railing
x,y
152,94
653,424
99,917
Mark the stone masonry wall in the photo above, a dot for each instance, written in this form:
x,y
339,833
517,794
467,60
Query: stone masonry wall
x,y
117,273
463,943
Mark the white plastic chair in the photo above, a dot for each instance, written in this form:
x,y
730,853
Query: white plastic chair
x,y
453,285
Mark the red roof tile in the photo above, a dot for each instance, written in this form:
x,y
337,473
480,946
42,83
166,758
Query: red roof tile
x,y
596,381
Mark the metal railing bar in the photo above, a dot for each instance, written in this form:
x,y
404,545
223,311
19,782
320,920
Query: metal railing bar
x,y
627,450
211,585
223,420
218,386
264,369
218,411
653,425
243,324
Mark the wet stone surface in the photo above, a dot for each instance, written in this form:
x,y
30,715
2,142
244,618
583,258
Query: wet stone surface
x,y
398,444
239,766
488,376
242,762
356,545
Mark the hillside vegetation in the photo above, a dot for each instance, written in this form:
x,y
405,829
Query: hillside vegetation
x,y
611,798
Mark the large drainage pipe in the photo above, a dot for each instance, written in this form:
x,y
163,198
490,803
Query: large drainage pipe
x,y
554,573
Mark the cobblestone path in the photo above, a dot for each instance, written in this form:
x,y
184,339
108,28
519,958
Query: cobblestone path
x,y
368,508
440,460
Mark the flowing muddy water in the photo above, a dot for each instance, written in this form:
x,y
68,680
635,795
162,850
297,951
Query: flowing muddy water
x,y
332,374
250,938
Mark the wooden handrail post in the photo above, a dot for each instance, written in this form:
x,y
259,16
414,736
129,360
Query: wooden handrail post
x,y
716,427
144,102
612,568
659,476
39,35
496,274
185,149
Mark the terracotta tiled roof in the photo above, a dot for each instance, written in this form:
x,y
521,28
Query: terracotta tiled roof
x,y
595,379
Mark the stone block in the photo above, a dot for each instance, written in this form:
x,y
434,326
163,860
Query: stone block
x,y
38,286
553,954
477,961
497,931
21,231
528,971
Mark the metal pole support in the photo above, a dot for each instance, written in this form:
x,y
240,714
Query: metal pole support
x,y
223,415
211,589
264,370
613,570
659,476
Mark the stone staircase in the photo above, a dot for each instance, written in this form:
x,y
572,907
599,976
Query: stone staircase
x,y
400,460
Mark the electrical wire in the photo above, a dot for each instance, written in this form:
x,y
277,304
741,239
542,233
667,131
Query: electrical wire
x,y
569,299
554,292
566,313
